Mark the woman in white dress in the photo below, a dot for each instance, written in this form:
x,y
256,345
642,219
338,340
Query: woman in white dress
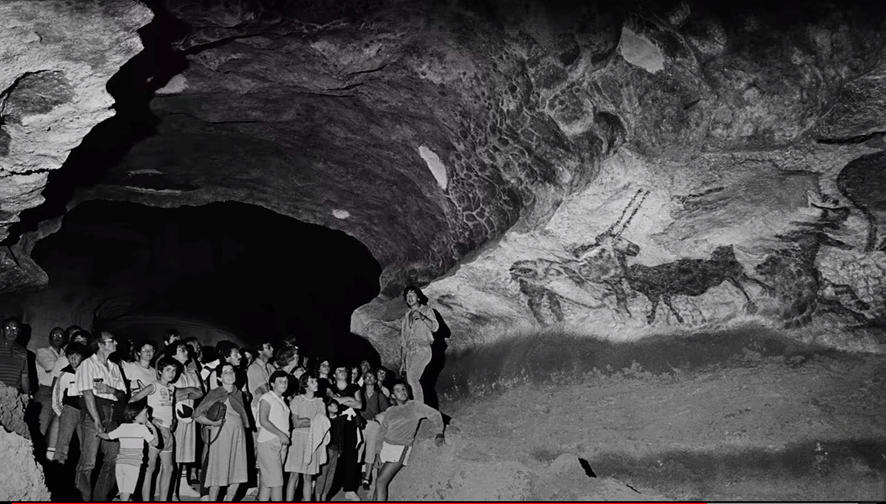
x,y
304,408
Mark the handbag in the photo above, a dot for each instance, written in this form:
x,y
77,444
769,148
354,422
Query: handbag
x,y
215,413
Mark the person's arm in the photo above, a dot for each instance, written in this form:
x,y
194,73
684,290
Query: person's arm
x,y
426,314
45,359
355,401
264,412
403,330
187,393
435,417
298,422
152,438
89,399
257,384
383,403
26,380
57,395
380,439
141,394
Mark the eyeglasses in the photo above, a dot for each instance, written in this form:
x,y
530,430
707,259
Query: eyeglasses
x,y
109,342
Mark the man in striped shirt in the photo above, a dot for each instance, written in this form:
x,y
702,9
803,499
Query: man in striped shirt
x,y
101,387
13,358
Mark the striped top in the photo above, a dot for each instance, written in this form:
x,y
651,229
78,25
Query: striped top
x,y
92,369
13,361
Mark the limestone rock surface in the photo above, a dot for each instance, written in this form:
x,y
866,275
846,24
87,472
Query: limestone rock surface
x,y
56,61
21,476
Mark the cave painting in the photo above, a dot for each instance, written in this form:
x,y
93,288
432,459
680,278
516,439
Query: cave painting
x,y
604,262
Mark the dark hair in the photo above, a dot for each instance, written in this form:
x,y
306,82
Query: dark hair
x,y
167,361
81,333
72,330
284,355
172,349
303,379
96,339
170,333
422,299
401,382
278,374
192,339
132,410
75,348
225,349
137,347
7,320
220,367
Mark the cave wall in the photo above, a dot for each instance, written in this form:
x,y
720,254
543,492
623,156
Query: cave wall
x,y
22,477
605,167
57,59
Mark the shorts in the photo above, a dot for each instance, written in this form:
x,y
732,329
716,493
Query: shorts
x,y
127,477
165,440
269,456
394,453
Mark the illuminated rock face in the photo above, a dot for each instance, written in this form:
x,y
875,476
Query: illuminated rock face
x,y
56,62
681,164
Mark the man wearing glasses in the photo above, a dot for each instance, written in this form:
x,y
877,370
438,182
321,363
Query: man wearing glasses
x,y
101,386
13,358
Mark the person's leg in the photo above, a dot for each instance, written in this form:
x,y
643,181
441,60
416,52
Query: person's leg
x,y
150,468
264,494
349,466
66,425
213,493
233,488
385,475
89,444
107,477
277,493
52,436
416,362
291,485
307,491
164,480
327,473
44,397
370,434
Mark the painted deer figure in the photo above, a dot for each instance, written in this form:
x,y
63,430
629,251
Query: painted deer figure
x,y
603,262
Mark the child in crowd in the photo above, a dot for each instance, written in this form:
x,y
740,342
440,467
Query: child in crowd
x,y
66,400
333,449
161,396
133,433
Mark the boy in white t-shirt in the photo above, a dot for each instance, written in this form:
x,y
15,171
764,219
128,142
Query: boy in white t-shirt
x,y
66,402
133,433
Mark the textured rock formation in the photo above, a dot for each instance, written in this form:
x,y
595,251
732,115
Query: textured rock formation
x,y
613,169
57,59
22,477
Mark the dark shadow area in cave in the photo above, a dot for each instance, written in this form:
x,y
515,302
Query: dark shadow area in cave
x,y
237,266
553,357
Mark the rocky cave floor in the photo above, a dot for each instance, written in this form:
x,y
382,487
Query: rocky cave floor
x,y
754,418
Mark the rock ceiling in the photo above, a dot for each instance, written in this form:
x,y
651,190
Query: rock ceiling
x,y
662,163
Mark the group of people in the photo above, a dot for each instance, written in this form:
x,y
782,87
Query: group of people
x,y
174,420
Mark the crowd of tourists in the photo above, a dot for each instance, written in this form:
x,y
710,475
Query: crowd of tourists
x,y
180,420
